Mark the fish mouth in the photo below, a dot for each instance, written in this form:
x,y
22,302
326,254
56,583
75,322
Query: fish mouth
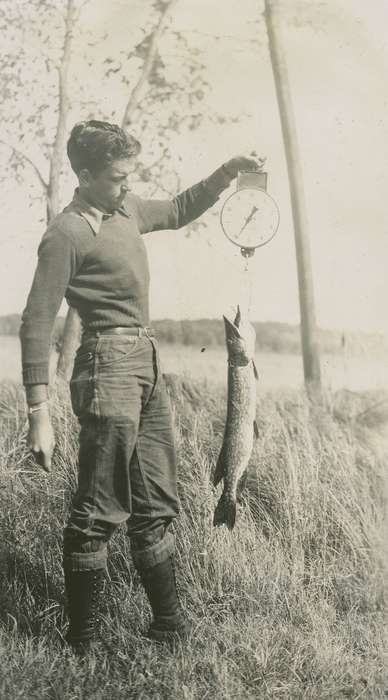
x,y
232,327
231,330
240,337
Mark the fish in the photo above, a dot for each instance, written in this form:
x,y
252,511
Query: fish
x,y
240,425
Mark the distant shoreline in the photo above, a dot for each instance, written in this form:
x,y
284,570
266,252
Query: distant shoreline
x,y
271,336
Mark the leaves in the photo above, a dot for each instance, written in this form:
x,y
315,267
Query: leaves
x,y
170,102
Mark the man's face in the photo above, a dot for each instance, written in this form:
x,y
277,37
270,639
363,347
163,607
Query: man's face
x,y
108,188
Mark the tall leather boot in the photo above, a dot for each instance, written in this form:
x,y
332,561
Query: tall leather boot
x,y
83,589
169,623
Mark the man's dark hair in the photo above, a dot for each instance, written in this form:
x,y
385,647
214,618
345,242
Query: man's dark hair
x,y
94,145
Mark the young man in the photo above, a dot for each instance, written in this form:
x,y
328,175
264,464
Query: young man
x,y
94,255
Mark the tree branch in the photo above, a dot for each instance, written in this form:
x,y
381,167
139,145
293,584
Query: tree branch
x,y
231,37
79,10
148,63
28,160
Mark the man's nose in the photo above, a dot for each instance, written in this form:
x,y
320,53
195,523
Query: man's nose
x,y
125,188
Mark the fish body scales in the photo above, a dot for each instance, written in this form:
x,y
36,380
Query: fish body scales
x,y
238,436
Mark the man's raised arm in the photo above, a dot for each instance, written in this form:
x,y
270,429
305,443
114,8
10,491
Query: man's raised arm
x,y
156,215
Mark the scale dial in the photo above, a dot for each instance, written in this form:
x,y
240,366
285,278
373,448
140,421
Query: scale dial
x,y
250,218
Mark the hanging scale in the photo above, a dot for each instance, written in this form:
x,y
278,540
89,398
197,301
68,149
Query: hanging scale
x,y
250,216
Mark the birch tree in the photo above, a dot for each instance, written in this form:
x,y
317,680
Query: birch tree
x,y
149,46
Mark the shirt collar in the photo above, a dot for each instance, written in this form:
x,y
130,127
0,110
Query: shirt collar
x,y
91,214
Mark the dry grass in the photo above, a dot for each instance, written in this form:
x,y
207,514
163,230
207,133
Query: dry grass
x,y
292,604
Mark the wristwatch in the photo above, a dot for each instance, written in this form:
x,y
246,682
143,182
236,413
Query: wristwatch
x,y
36,407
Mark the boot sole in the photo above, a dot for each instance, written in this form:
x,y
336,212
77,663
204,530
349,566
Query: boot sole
x,y
167,636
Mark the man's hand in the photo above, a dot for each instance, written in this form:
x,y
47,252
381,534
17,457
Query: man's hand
x,y
41,438
242,163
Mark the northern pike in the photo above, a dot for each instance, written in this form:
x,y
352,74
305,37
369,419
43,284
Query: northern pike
x,y
240,426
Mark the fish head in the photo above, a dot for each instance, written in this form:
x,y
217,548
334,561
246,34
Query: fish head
x,y
240,338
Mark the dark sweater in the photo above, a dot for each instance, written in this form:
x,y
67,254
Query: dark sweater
x,y
98,262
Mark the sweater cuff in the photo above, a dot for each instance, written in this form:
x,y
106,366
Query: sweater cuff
x,y
35,374
217,182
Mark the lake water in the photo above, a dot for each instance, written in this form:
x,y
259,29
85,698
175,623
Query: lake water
x,y
275,370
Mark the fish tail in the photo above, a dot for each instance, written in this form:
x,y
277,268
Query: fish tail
x,y
225,512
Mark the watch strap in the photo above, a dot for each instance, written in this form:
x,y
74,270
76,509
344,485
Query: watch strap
x,y
35,408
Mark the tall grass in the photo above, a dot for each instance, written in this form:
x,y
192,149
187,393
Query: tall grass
x,y
292,604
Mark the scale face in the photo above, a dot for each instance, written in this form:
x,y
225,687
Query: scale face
x,y
249,216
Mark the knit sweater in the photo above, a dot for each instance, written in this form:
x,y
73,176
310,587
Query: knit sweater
x,y
98,262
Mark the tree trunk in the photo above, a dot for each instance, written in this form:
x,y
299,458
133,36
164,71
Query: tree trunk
x,y
56,159
72,329
70,342
311,363
135,95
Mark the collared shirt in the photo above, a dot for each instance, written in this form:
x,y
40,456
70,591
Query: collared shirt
x,y
91,214
98,262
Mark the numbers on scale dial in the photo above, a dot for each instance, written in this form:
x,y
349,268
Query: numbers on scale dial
x,y
250,218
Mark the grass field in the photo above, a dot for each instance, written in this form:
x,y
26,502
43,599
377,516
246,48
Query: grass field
x,y
292,604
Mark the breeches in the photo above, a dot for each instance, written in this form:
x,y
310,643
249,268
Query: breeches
x,y
127,465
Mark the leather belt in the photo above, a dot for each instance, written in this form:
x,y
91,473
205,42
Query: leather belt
x,y
120,330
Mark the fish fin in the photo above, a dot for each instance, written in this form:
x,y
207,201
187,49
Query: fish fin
x,y
255,429
255,372
241,486
225,512
219,470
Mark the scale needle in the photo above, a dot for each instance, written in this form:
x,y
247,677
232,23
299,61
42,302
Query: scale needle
x,y
248,219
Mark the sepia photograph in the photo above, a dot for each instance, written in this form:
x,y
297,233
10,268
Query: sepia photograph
x,y
194,350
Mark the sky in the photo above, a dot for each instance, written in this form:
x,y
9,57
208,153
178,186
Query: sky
x,y
337,64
